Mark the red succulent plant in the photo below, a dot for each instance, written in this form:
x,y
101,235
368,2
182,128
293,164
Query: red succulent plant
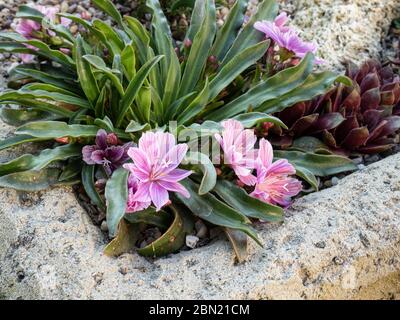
x,y
362,118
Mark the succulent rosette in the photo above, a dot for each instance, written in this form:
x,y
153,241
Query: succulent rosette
x,y
132,115
361,118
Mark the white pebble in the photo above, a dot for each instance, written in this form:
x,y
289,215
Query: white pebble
x,y
191,241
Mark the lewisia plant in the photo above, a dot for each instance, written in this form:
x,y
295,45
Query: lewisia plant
x,y
135,110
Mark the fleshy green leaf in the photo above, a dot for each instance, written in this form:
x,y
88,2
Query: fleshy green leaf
x,y
88,185
150,216
227,34
276,86
20,116
30,180
251,119
173,239
125,240
17,140
206,166
249,36
209,208
116,196
318,164
57,129
307,176
199,51
134,87
85,73
108,7
240,200
238,240
30,162
236,66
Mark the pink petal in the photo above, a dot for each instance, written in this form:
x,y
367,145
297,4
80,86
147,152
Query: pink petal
x,y
174,187
177,175
265,153
143,192
281,166
248,180
139,159
158,195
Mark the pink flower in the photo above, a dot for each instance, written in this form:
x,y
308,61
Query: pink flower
x,y
274,185
27,28
155,166
286,37
133,205
238,146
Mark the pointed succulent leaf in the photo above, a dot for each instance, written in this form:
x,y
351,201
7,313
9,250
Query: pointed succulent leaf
x,y
30,181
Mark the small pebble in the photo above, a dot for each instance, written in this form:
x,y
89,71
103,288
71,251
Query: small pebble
x,y
335,181
104,226
191,241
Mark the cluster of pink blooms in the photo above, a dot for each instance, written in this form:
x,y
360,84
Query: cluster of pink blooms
x,y
27,28
272,182
154,169
286,37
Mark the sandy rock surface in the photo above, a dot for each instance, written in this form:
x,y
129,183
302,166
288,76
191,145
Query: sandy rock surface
x,y
340,243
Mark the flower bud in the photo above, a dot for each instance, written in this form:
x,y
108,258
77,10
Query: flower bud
x,y
112,139
64,140
187,43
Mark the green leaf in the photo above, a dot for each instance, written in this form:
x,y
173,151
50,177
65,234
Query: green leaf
x,y
240,200
198,16
315,85
99,64
227,34
89,186
161,36
209,208
105,124
150,216
71,170
28,12
171,86
236,66
318,164
57,129
178,4
199,51
35,86
134,87
116,196
133,127
108,7
17,140
13,47
140,37
238,239
31,99
251,119
310,144
196,106
30,162
206,166
276,86
86,77
48,78
249,36
112,38
20,116
128,60
125,240
30,180
308,176
173,239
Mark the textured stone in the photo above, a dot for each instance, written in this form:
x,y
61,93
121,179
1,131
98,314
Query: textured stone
x,y
344,30
342,242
